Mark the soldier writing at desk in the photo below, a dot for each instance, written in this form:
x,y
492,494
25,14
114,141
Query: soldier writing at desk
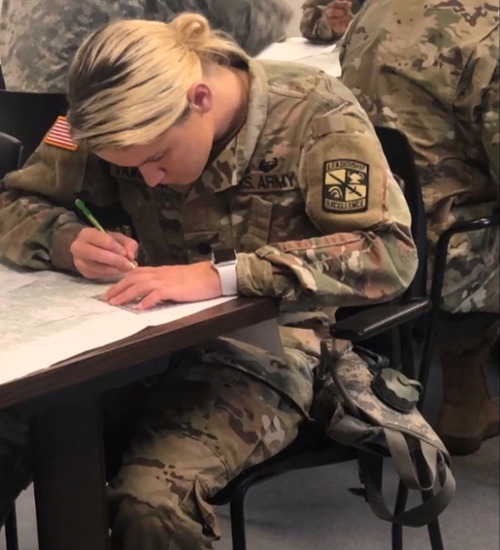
x,y
272,167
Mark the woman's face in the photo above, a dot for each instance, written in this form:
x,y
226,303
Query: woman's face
x,y
179,155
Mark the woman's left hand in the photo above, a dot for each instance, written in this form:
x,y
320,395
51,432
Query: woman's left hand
x,y
178,283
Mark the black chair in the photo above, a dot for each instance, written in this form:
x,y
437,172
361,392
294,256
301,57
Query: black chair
x,y
10,158
312,448
433,319
10,154
438,273
29,116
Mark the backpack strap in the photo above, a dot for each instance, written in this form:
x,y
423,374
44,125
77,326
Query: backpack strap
x,y
400,452
372,467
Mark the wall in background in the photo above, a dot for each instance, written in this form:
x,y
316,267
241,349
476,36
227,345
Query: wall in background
x,y
293,28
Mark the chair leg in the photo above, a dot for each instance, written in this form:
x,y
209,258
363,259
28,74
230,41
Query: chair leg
x,y
238,521
435,536
11,530
433,527
399,508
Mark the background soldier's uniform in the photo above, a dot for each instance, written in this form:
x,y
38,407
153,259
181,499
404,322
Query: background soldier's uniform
x,y
314,26
38,38
303,193
431,70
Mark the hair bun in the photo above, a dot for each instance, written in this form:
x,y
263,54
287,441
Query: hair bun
x,y
193,30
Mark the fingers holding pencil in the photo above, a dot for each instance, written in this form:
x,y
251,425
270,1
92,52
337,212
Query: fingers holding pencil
x,y
88,214
99,255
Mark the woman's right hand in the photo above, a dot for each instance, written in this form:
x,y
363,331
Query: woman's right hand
x,y
338,14
99,255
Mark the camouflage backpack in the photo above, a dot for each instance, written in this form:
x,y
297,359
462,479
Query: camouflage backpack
x,y
365,405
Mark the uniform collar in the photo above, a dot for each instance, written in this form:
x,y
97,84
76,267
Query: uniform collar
x,y
228,168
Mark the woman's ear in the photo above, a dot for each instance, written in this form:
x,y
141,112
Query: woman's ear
x,y
200,98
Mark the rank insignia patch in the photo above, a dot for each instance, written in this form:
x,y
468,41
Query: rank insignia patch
x,y
345,186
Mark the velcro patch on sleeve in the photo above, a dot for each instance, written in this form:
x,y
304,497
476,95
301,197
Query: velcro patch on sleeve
x,y
345,186
59,135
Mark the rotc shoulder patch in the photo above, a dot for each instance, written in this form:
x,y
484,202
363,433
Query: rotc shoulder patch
x,y
345,186
59,135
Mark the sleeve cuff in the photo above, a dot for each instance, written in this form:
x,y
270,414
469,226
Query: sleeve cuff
x,y
257,277
61,242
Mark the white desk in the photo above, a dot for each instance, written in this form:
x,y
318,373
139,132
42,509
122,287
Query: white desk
x,y
300,50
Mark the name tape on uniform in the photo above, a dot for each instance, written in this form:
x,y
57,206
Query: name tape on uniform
x,y
130,173
269,183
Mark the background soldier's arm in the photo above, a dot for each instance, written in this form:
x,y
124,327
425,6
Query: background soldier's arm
x,y
314,25
362,257
490,130
37,222
476,105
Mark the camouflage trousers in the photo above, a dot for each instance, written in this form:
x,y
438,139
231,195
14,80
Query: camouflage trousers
x,y
199,426
471,282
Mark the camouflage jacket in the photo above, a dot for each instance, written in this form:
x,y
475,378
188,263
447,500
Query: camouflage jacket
x,y
303,193
431,70
313,25
38,38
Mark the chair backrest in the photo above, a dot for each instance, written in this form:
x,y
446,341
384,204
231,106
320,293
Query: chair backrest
x,y
2,81
10,154
28,116
401,161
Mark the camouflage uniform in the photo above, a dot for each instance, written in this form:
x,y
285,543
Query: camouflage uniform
x,y
314,26
38,38
431,70
304,195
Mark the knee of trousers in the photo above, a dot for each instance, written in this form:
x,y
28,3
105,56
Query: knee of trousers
x,y
155,507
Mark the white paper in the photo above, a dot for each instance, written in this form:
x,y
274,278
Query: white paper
x,y
294,49
329,63
55,317
13,281
300,50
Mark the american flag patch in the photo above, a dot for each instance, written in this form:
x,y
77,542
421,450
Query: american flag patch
x,y
59,135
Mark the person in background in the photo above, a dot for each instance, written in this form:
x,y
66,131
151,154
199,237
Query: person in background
x,y
327,20
38,38
431,70
274,166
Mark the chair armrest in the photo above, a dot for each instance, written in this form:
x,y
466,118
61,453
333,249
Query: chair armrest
x,y
441,256
374,321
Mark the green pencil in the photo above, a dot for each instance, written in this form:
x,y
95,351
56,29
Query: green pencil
x,y
88,214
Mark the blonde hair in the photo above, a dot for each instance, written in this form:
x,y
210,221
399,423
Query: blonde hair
x,y
128,81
